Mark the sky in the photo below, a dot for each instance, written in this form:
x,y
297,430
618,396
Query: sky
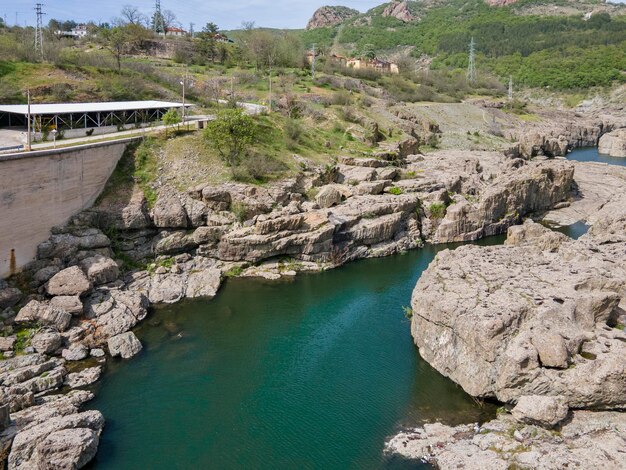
x,y
226,14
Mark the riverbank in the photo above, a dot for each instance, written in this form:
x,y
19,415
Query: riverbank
x,y
441,202
551,352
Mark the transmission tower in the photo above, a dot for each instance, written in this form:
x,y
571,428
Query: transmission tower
x,y
39,30
159,24
511,88
471,67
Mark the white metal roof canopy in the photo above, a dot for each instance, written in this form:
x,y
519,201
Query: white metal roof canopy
x,y
79,108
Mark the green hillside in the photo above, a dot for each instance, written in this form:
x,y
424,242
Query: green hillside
x,y
537,50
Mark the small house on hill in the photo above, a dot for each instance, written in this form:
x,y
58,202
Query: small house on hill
x,y
174,31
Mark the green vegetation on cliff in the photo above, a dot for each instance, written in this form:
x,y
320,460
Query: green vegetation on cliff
x,y
537,50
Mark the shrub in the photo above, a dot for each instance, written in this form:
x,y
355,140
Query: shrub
x,y
395,191
240,210
342,98
293,130
231,134
258,168
437,210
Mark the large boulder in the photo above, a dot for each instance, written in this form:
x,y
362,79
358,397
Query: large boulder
x,y
9,296
69,303
70,281
169,211
529,319
125,345
100,269
46,342
543,411
613,143
76,352
66,245
40,312
84,377
114,312
328,196
60,442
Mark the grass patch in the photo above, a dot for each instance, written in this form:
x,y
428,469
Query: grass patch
x,y
437,210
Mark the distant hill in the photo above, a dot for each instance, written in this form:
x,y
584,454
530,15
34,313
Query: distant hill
x,y
559,43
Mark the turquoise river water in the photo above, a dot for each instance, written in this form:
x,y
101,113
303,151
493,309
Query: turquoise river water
x,y
312,373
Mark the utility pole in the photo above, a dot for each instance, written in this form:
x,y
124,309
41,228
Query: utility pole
x,y
39,30
471,67
270,97
511,88
313,63
28,126
184,84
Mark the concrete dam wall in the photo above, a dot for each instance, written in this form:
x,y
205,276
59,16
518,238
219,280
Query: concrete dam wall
x,y
41,189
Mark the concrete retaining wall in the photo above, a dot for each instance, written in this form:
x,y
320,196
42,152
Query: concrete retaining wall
x,y
41,189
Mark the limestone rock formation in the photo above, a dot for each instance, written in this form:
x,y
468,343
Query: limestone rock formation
x,y
100,269
532,188
613,143
589,440
329,16
113,312
70,281
328,197
546,412
84,377
76,352
169,211
535,317
125,345
399,10
54,434
9,296
69,303
46,342
36,311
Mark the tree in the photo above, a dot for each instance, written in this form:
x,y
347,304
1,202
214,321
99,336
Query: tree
x,y
169,19
231,134
170,118
207,41
132,15
54,25
116,41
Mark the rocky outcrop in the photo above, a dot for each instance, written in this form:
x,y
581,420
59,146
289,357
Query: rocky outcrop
x,y
531,189
588,440
543,411
536,317
399,10
45,314
329,16
54,434
70,281
613,143
125,345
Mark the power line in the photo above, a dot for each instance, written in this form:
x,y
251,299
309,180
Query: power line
x,y
39,30
159,23
471,67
